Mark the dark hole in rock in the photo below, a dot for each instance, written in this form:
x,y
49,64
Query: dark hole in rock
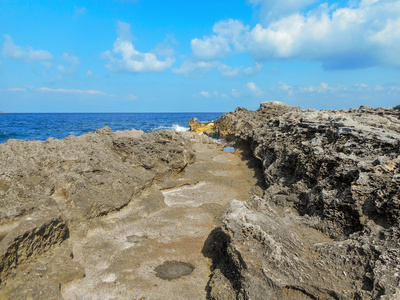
x,y
229,149
170,270
136,238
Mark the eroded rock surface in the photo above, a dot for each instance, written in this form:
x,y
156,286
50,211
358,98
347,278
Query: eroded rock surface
x,y
327,226
51,189
129,215
121,215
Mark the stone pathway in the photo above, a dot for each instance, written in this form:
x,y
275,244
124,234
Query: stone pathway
x,y
152,249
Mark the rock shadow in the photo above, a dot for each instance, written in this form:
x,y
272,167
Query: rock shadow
x,y
254,164
223,268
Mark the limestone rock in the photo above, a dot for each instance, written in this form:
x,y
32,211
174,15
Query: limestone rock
x,y
31,237
328,223
88,175
49,188
198,127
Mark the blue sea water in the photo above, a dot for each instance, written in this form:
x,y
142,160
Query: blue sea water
x,y
40,126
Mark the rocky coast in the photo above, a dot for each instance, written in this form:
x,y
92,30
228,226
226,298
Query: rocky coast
x,y
306,207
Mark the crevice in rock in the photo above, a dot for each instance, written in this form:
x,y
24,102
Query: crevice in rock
x,y
216,248
23,243
252,162
302,291
339,171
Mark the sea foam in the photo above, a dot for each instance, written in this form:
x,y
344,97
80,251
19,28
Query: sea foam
x,y
175,127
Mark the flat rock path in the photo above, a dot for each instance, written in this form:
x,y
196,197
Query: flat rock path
x,y
152,249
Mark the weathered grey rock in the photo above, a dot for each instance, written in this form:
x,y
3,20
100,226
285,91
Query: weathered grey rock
x,y
49,188
45,276
89,175
94,216
32,236
334,176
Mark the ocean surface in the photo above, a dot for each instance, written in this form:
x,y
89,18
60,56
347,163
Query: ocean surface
x,y
40,126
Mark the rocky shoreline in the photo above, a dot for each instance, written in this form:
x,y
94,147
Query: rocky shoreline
x,y
307,207
327,225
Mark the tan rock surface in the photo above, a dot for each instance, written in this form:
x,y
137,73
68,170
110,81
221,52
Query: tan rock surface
x,y
121,251
115,256
327,226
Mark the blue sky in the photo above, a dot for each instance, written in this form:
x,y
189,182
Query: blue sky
x,y
197,56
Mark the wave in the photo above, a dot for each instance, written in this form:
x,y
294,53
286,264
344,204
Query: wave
x,y
175,127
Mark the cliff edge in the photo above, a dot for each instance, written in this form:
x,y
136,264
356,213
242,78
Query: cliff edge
x,y
327,225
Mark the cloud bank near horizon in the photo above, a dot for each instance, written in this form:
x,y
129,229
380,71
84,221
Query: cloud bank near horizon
x,y
311,53
364,35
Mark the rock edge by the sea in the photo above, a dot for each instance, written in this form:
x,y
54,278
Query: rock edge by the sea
x,y
48,188
327,226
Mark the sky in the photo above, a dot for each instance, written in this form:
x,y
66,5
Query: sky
x,y
197,56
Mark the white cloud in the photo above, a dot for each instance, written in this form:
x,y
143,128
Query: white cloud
x,y
210,48
285,87
17,89
341,38
73,60
253,70
359,90
133,97
254,89
228,71
362,35
25,54
200,68
236,93
195,68
228,37
272,10
72,91
322,88
205,94
124,56
362,85
164,49
214,94
394,88
90,73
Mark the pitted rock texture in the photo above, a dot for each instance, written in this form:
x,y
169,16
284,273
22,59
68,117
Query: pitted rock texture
x,y
88,175
30,238
334,177
49,188
114,215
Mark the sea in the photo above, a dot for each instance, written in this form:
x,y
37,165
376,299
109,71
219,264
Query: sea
x,y
41,126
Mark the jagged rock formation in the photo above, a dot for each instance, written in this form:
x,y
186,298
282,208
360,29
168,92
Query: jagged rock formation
x,y
49,188
76,173
327,226
199,127
108,215
102,215
223,128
